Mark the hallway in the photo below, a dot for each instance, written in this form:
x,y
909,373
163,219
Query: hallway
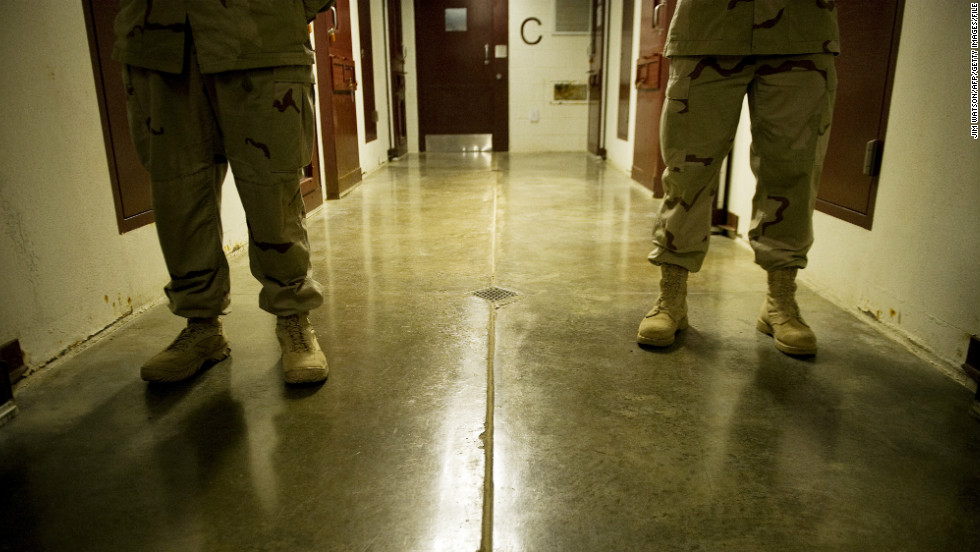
x,y
530,423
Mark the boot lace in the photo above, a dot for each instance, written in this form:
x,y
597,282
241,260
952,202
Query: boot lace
x,y
670,287
667,293
782,290
297,334
187,337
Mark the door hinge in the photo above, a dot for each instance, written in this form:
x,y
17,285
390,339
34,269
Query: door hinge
x,y
872,157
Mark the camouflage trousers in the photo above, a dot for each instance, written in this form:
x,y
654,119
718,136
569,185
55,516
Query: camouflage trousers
x,y
791,101
187,129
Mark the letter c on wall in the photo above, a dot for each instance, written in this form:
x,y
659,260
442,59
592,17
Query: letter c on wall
x,y
524,36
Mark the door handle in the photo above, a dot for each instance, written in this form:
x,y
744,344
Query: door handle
x,y
486,54
656,15
332,32
872,157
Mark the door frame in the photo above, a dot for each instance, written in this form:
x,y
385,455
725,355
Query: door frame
x,y
396,59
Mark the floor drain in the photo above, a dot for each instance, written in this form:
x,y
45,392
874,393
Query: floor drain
x,y
495,294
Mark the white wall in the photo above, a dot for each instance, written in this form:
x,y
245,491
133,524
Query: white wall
x,y
65,271
918,269
534,70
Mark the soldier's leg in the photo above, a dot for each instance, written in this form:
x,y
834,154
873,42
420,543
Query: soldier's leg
x,y
704,100
175,134
266,116
700,116
791,102
176,138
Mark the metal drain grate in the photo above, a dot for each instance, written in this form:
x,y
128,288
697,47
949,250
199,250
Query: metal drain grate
x,y
495,294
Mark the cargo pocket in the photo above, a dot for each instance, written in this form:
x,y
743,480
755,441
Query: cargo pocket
x,y
137,114
291,131
678,91
828,63
676,104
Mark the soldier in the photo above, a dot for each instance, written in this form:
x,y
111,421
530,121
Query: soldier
x,y
211,84
780,53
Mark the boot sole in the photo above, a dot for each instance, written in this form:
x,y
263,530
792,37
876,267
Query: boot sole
x,y
190,371
766,328
308,375
666,341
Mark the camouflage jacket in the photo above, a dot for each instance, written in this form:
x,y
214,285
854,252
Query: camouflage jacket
x,y
228,35
753,27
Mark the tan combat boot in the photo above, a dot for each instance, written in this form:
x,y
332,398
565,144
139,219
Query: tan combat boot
x,y
302,359
781,317
199,346
669,315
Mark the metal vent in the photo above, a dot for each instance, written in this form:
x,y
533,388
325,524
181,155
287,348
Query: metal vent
x,y
495,294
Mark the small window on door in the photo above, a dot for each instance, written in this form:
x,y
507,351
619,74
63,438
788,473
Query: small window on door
x,y
455,20
573,16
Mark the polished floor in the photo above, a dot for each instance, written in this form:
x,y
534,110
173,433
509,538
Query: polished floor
x,y
532,422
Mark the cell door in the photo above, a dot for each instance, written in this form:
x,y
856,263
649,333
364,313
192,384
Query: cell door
x,y
869,32
462,74
130,181
336,84
652,70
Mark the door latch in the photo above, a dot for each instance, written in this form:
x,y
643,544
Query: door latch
x,y
872,157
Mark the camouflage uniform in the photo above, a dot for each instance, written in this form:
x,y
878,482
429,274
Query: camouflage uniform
x,y
211,84
780,53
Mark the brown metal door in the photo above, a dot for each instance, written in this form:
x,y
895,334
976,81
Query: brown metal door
x,y
338,110
651,77
865,70
462,73
130,181
397,54
596,58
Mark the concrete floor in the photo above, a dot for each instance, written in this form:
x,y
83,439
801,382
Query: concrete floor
x,y
536,423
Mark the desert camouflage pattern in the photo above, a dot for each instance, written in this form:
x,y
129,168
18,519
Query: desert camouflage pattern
x,y
228,34
187,129
791,100
780,53
753,27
